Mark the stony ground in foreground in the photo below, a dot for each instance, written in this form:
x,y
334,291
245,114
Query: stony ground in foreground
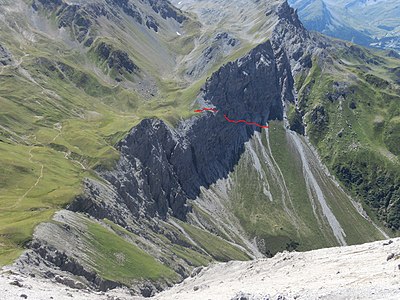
x,y
368,271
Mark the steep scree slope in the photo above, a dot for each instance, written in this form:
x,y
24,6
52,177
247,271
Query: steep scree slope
x,y
181,196
203,150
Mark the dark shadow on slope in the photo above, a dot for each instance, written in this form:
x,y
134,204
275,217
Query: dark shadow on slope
x,y
161,167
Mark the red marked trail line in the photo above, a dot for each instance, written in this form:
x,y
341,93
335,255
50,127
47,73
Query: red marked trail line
x,y
230,120
244,121
206,109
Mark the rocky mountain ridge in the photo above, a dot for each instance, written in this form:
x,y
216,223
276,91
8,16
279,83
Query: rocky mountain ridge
x,y
190,159
187,190
185,157
327,273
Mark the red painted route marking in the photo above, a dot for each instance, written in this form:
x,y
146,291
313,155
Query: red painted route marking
x,y
230,120
206,109
244,121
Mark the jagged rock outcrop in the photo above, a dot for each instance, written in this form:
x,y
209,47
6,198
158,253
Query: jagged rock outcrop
x,y
292,46
49,257
120,60
220,46
5,56
339,91
115,58
295,46
167,10
394,54
102,201
199,151
151,23
129,8
81,17
160,167
159,170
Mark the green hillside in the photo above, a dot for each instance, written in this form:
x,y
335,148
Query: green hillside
x,y
75,78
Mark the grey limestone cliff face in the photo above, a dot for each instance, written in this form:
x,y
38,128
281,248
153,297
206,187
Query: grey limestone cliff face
x,y
162,167
294,48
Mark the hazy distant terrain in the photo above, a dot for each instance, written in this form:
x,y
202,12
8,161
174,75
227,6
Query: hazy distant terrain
x,y
373,23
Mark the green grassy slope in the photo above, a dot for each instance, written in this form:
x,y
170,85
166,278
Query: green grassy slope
x,y
121,261
188,254
271,200
61,116
60,101
35,182
216,247
354,128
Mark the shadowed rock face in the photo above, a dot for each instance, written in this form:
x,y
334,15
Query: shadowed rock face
x,y
120,60
115,58
162,167
5,56
292,45
166,10
151,23
129,8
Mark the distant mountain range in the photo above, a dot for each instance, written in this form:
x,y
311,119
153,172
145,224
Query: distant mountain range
x,y
373,23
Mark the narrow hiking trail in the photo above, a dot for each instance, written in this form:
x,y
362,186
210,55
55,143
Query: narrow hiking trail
x,y
58,127
67,154
41,166
39,178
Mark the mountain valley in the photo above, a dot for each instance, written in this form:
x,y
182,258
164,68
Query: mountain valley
x,y
110,180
